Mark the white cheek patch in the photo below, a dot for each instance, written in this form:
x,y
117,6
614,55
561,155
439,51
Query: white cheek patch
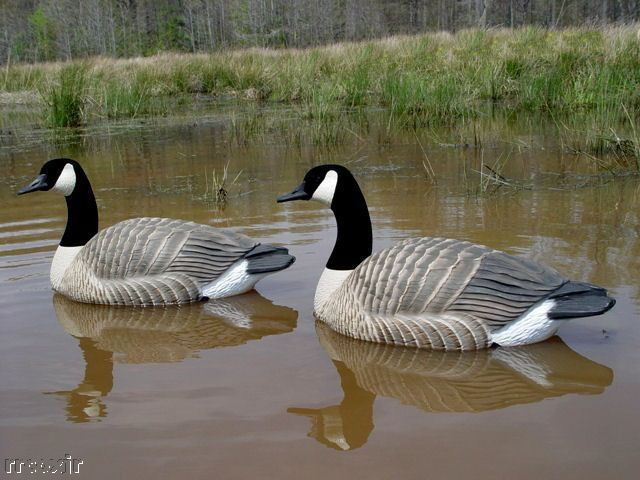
x,y
66,181
324,192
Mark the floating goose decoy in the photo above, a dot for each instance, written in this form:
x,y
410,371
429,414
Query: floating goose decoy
x,y
146,261
435,293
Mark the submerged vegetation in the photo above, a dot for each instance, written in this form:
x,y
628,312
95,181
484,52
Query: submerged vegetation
x,y
217,192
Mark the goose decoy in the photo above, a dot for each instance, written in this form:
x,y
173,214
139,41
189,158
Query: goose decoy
x,y
435,293
146,261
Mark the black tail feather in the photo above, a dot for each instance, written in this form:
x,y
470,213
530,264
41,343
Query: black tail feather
x,y
267,258
574,288
577,299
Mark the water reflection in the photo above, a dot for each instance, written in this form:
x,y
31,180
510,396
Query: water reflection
x,y
109,334
443,381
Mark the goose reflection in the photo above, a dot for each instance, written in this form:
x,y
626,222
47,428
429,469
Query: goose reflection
x,y
436,381
108,335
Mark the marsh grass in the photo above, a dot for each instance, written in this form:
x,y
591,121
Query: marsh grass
x,y
217,192
423,80
633,144
326,118
609,137
248,127
66,96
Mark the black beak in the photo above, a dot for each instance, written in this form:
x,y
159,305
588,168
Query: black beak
x,y
38,183
297,194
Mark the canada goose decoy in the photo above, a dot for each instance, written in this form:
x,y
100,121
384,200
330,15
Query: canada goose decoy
x,y
146,261
436,293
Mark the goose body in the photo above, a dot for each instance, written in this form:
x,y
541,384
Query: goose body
x,y
435,293
146,261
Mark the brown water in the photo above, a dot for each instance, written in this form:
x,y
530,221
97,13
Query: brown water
x,y
251,387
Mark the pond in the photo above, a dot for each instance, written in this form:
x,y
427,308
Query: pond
x,y
251,387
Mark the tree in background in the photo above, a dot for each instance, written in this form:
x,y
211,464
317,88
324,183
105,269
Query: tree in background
x,y
44,35
37,30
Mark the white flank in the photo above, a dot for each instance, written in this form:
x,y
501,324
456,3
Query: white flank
x,y
534,326
324,192
61,261
234,281
329,282
66,181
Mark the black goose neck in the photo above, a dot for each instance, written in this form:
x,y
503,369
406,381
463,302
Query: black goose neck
x,y
82,213
354,240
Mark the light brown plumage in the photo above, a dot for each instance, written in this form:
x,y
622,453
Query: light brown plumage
x,y
436,293
152,261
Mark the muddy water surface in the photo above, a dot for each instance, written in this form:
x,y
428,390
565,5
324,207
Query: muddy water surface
x,y
250,387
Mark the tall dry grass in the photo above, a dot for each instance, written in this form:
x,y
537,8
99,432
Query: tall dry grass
x,y
421,80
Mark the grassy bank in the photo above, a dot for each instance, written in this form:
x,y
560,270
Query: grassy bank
x,y
420,81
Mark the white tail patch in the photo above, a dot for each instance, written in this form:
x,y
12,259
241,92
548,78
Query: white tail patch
x,y
532,327
234,281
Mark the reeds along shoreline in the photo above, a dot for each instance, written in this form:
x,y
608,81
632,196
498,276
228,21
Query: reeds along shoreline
x,y
421,80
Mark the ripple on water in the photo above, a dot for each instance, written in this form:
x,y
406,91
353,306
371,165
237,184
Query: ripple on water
x,y
26,249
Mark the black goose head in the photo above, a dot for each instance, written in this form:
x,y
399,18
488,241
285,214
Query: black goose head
x,y
66,176
61,175
335,187
324,183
